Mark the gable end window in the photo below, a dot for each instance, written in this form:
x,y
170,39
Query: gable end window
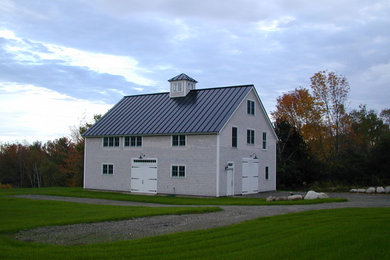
x,y
108,169
178,171
250,136
133,141
250,107
264,140
178,140
266,173
234,136
111,142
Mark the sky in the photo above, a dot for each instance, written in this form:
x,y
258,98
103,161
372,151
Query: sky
x,y
62,61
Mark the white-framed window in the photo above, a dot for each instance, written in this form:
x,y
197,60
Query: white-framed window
x,y
264,140
177,87
250,136
178,171
250,107
111,141
266,173
179,140
234,136
133,141
107,169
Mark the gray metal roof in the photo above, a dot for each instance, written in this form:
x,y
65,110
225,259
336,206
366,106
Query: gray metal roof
x,y
182,77
201,111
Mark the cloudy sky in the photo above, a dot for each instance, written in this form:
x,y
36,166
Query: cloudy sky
x,y
61,62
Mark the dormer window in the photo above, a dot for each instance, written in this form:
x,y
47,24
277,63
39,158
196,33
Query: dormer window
x,y
181,85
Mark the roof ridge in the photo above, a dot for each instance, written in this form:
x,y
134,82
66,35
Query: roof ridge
x,y
194,90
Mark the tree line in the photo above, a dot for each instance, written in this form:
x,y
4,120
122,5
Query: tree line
x,y
54,163
320,142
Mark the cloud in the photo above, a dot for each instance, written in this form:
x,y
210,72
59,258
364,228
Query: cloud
x,y
34,113
26,51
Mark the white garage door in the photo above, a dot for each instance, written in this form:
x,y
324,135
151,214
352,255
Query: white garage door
x,y
250,176
144,175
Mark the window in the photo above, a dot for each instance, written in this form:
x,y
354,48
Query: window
x,y
133,141
266,173
178,140
108,169
177,87
178,171
251,107
234,136
250,136
111,141
264,140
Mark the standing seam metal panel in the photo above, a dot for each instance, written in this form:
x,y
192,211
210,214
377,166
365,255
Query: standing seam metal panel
x,y
201,111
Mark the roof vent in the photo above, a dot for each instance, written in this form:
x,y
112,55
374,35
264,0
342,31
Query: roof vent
x,y
181,85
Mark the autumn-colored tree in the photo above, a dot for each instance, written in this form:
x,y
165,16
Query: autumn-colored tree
x,y
331,92
299,109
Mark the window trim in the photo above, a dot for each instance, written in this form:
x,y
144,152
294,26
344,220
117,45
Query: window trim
x,y
130,141
249,137
108,169
251,107
264,143
178,171
107,140
178,141
234,138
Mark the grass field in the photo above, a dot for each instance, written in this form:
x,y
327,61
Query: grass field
x,y
163,199
324,234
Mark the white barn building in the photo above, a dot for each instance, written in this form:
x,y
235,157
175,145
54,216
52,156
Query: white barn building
x,y
205,142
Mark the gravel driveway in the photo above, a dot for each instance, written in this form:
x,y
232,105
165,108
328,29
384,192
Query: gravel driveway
x,y
157,225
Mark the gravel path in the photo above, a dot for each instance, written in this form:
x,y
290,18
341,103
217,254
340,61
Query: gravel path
x,y
157,225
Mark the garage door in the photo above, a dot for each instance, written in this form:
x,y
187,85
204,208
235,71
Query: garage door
x,y
250,176
144,176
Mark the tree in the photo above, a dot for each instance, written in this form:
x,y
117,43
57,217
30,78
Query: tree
x,y
295,165
331,92
385,115
298,108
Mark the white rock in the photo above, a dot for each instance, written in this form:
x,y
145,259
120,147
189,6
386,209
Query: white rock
x,y
380,190
387,189
370,190
270,198
282,198
295,197
323,195
361,190
312,195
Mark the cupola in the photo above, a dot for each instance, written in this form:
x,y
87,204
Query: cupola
x,y
181,85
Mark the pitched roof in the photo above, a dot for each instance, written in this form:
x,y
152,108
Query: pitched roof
x,y
182,77
201,111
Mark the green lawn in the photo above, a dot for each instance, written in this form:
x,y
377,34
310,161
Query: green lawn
x,y
163,199
324,234
18,213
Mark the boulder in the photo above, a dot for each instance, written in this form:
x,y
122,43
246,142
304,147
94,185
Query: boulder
x,y
361,190
282,198
387,189
370,190
312,195
295,197
380,190
271,198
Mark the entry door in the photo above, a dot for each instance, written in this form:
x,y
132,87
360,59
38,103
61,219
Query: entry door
x,y
230,179
250,176
144,176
